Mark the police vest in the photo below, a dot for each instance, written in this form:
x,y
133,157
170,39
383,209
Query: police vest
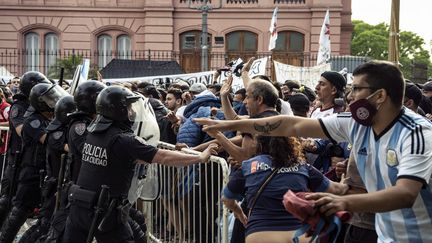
x,y
100,165
34,153
55,148
14,144
77,128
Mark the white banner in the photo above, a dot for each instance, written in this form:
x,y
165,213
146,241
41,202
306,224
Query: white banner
x,y
258,67
307,76
201,77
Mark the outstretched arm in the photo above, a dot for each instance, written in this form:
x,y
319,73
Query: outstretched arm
x,y
278,126
174,158
402,195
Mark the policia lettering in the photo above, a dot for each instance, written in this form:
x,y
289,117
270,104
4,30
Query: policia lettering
x,y
94,155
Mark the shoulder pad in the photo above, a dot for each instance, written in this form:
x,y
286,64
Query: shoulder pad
x,y
57,135
80,128
35,123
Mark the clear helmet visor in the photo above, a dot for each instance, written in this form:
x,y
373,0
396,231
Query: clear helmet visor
x,y
52,95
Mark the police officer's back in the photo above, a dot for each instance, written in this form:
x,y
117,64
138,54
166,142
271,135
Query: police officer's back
x,y
42,98
16,119
109,155
56,134
85,99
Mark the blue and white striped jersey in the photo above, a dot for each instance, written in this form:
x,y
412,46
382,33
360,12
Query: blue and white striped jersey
x,y
403,150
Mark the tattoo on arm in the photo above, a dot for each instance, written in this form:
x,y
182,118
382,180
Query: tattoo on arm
x,y
267,128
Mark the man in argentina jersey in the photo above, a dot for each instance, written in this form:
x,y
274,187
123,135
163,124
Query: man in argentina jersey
x,y
392,147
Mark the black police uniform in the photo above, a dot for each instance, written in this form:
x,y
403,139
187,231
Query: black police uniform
x,y
76,137
108,159
28,195
16,118
55,140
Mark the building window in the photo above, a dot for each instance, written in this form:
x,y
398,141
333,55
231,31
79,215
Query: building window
x,y
35,41
51,50
112,44
289,41
104,50
191,40
242,41
32,51
190,48
124,47
242,1
241,44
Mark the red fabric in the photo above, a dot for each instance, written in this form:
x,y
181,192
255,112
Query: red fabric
x,y
3,134
305,211
299,207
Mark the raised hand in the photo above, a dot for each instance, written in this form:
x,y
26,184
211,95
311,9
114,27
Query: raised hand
x,y
248,65
226,87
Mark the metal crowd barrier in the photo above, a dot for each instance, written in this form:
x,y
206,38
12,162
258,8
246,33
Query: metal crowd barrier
x,y
188,207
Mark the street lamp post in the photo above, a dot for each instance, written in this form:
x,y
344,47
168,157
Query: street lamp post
x,y
204,8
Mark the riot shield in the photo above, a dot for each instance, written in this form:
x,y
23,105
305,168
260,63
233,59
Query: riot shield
x,y
145,182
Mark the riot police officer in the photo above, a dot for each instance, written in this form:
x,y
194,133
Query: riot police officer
x,y
43,98
85,99
56,147
109,155
16,118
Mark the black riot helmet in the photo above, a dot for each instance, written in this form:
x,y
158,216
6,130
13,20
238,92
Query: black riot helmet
x,y
30,79
86,94
63,107
114,102
43,96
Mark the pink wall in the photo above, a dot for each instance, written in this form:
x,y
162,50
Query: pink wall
x,y
157,25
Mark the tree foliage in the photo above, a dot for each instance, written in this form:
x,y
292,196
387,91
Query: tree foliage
x,y
372,41
69,64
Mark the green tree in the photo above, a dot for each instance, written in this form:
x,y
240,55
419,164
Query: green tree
x,y
70,64
372,41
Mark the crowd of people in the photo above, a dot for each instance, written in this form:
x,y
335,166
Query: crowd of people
x,y
360,147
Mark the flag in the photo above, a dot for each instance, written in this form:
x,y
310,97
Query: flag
x,y
324,41
273,30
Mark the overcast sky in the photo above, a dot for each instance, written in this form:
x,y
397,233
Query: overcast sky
x,y
415,15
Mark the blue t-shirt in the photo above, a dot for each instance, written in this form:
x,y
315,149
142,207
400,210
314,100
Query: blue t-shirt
x,y
269,213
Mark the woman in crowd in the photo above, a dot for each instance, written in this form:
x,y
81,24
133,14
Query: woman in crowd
x,y
268,221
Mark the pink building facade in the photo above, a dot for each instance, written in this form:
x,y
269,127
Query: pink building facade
x,y
34,34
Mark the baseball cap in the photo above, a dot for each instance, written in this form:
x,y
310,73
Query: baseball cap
x,y
197,88
413,92
427,86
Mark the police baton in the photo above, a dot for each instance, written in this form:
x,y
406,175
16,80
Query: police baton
x,y
103,197
60,179
107,214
